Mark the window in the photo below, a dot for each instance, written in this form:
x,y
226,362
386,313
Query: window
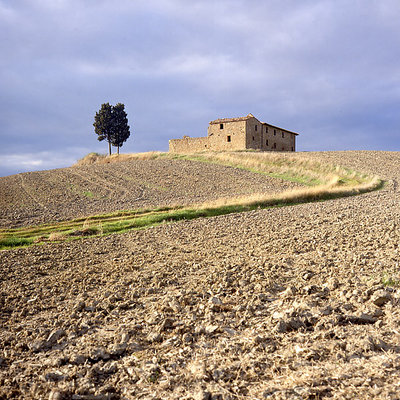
x,y
267,142
274,145
283,134
292,149
266,129
228,138
253,138
255,128
274,132
221,126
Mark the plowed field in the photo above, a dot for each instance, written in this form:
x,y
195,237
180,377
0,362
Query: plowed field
x,y
299,302
47,196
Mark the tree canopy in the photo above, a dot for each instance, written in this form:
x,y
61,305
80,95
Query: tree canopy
x,y
111,124
121,128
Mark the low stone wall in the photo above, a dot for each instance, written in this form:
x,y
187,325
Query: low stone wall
x,y
188,144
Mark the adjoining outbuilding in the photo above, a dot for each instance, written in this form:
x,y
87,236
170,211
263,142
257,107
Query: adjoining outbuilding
x,y
238,134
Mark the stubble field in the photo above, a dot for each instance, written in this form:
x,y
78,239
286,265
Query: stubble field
x,y
298,302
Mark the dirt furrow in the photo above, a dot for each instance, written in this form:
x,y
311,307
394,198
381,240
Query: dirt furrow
x,y
29,192
288,303
95,180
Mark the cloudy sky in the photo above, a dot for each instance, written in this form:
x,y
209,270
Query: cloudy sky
x,y
329,69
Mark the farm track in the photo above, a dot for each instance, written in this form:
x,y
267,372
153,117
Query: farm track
x,y
297,302
111,184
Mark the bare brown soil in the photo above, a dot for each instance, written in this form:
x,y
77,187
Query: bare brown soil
x,y
284,303
46,196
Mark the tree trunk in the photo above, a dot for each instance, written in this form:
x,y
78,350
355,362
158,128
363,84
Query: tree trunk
x,y
109,148
118,150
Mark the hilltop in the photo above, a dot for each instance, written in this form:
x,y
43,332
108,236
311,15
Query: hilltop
x,y
86,189
278,303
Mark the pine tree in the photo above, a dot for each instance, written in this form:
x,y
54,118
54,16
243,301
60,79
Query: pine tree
x,y
120,126
103,124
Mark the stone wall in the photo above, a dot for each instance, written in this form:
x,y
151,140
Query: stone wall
x,y
188,144
227,135
254,137
261,136
276,139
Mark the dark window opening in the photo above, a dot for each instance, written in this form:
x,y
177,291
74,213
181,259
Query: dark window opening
x,y
274,145
292,149
283,134
274,132
253,138
267,142
255,128
228,138
266,129
283,148
221,126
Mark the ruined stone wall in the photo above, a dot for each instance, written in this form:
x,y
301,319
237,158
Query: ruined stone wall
x,y
227,135
188,144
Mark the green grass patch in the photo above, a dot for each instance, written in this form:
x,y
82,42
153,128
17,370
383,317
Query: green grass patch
x,y
11,242
76,190
391,280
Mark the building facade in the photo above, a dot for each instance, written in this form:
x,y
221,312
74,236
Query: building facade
x,y
238,134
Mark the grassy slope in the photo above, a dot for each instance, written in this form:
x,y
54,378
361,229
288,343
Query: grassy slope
x,y
322,182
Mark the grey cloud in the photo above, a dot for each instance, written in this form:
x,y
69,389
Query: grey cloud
x,y
329,69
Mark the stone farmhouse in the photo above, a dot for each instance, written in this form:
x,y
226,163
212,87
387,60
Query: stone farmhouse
x,y
237,134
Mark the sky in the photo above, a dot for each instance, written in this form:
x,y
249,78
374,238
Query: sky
x,y
328,69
